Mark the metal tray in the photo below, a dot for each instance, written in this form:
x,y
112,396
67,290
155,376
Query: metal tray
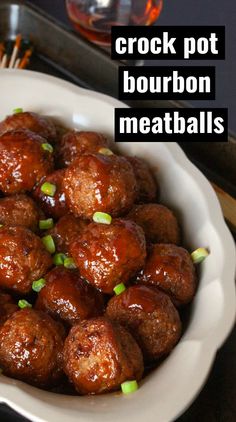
x,y
62,53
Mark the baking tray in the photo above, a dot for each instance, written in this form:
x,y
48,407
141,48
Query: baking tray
x,y
62,53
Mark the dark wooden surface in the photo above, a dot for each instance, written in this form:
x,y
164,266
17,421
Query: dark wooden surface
x,y
217,400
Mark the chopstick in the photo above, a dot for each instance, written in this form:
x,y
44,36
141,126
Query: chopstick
x,y
14,61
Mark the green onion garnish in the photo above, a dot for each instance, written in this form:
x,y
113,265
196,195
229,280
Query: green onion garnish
x,y
128,387
46,224
102,217
199,255
69,263
120,288
24,304
105,151
59,258
48,188
47,147
49,243
17,110
37,285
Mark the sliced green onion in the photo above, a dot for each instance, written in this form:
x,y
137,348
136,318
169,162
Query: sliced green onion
x,y
49,243
69,263
199,255
120,288
46,224
105,151
59,258
102,217
37,285
24,304
48,188
17,110
128,387
47,147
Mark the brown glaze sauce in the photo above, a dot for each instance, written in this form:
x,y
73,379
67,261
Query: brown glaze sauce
x,y
140,297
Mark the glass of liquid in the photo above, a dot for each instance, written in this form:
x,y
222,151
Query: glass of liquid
x,y
94,18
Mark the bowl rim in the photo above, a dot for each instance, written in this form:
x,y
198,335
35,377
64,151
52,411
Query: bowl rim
x,y
9,395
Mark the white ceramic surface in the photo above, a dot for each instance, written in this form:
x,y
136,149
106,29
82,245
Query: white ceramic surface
x,y
170,389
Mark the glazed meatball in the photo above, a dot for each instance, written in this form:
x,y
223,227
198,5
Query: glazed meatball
x,y
67,229
7,307
67,297
107,255
158,222
170,268
31,345
95,182
23,161
148,189
41,125
99,356
23,258
151,318
53,206
20,210
75,143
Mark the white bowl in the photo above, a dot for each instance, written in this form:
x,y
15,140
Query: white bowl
x,y
168,390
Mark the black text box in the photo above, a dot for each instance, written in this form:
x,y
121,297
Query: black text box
x,y
184,79
132,125
195,35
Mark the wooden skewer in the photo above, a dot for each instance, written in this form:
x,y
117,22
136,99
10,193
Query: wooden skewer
x,y
14,61
25,59
3,62
17,62
2,49
15,51
228,205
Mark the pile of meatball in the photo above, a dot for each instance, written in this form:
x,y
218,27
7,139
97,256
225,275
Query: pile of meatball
x,y
78,330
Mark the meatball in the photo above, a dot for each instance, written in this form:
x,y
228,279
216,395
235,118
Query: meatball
x,y
158,222
54,206
96,182
67,229
75,143
23,161
68,297
99,356
148,189
107,255
7,307
170,268
151,318
41,125
20,210
31,345
23,258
